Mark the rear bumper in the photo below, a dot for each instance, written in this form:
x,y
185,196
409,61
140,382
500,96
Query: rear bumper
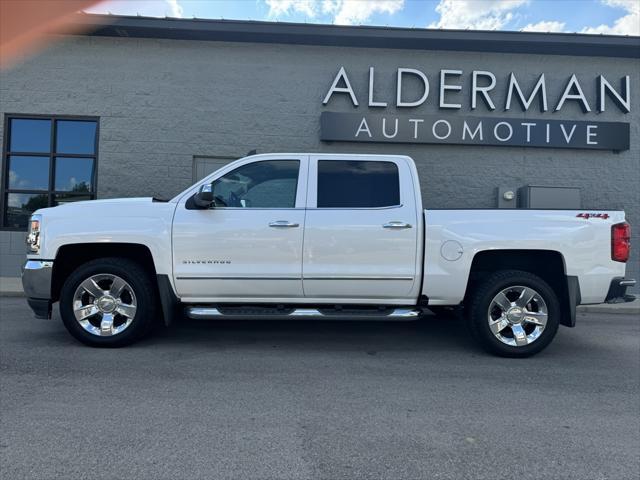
x,y
618,290
36,282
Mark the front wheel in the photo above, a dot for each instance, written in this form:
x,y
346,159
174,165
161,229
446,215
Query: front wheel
x,y
108,302
513,313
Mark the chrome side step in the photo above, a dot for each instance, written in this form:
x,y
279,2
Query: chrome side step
x,y
214,313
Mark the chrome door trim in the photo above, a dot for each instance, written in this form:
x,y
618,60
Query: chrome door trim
x,y
237,278
390,207
357,278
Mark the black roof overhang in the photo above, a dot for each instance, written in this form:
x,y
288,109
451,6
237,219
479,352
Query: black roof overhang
x,y
360,36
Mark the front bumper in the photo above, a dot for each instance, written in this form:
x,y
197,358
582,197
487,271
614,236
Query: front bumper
x,y
36,282
618,290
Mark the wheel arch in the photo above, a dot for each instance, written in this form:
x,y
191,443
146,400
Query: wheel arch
x,y
549,265
71,256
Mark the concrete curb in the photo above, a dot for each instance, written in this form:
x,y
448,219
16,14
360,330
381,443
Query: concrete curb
x,y
627,308
11,287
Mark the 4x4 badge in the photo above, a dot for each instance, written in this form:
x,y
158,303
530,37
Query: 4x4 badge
x,y
587,216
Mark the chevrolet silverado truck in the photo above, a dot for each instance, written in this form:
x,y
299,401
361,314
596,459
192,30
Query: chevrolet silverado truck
x,y
328,236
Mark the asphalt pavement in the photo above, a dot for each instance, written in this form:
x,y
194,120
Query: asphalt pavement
x,y
327,400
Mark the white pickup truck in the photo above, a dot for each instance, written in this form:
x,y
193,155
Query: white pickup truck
x,y
337,236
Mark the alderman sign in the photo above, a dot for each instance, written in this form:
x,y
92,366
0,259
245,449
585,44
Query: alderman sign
x,y
454,127
353,127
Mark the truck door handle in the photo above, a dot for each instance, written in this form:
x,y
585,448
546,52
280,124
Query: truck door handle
x,y
397,225
283,224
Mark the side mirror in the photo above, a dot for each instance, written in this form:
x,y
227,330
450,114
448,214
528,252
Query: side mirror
x,y
204,197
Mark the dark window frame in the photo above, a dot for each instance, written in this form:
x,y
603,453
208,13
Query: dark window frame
x,y
51,192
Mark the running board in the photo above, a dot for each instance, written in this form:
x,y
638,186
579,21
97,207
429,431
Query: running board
x,y
214,313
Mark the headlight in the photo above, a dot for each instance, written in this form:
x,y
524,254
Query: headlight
x,y
33,237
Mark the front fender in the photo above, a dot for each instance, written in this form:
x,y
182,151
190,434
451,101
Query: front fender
x,y
138,222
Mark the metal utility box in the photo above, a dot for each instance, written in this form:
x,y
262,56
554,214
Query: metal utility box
x,y
538,196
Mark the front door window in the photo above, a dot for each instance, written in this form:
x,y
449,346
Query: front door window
x,y
267,184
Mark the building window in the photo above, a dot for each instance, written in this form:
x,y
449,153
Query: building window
x,y
47,160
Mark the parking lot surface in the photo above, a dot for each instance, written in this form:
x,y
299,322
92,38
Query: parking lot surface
x,y
330,400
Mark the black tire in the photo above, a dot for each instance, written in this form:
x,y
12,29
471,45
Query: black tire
x,y
480,301
145,294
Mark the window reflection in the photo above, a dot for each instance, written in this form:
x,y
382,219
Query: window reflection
x,y
20,206
30,135
75,137
73,174
28,173
63,198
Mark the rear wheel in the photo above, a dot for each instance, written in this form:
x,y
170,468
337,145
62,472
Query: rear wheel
x,y
108,302
513,313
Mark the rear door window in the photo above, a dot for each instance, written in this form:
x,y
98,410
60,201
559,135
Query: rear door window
x,y
357,184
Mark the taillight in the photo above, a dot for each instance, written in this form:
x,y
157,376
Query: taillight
x,y
620,241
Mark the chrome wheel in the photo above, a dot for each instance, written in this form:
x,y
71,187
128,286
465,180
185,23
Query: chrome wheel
x,y
517,316
104,305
